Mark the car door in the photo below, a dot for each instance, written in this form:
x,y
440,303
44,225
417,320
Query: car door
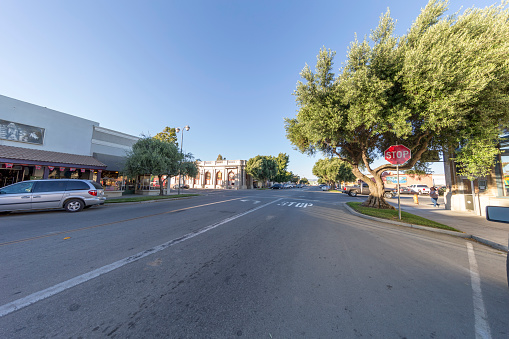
x,y
16,197
48,193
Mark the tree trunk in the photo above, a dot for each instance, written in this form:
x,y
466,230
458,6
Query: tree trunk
x,y
376,196
377,202
160,178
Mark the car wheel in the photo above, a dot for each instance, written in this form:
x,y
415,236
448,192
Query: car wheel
x,y
388,195
352,193
74,205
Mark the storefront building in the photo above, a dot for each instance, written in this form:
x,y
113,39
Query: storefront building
x,y
40,143
473,196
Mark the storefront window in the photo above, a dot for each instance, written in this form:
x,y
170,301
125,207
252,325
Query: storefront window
x,y
505,173
112,181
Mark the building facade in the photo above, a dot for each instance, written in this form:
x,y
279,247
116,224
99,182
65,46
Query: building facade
x,y
40,143
220,174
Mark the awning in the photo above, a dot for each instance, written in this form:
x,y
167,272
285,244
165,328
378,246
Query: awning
x,y
28,156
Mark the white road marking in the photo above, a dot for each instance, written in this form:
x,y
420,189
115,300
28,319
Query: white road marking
x,y
297,204
482,329
48,292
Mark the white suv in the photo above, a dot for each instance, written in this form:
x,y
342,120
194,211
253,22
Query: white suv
x,y
71,194
421,189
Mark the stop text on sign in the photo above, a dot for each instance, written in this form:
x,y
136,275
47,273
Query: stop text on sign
x,y
397,154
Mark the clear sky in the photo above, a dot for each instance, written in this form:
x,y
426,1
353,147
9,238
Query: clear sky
x,y
226,68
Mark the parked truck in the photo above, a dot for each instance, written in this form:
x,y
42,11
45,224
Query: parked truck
x,y
363,188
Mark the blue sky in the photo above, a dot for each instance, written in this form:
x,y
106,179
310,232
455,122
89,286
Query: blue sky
x,y
225,68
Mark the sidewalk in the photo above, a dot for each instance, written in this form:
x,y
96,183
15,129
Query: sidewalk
x,y
482,230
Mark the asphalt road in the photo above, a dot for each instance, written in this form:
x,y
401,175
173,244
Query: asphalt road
x,y
254,264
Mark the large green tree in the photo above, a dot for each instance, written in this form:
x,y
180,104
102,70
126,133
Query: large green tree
x,y
169,134
262,168
444,83
333,170
153,156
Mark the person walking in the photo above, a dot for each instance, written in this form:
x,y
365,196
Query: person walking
x,y
433,193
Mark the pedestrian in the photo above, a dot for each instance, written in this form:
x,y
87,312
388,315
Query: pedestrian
x,y
433,193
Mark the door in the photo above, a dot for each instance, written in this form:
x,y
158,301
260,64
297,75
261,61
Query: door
x,y
16,197
48,193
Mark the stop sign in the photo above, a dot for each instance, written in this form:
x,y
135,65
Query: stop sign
x,y
397,154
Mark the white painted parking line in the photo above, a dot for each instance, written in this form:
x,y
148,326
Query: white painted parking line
x,y
482,329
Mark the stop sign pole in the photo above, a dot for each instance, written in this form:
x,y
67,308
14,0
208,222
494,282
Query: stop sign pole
x,y
397,155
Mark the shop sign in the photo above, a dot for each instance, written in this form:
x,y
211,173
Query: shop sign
x,y
51,168
72,169
8,165
62,169
82,170
37,167
14,131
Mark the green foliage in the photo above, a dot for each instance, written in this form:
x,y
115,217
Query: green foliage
x,y
475,159
167,135
445,81
333,170
304,181
219,157
262,168
152,156
282,161
189,167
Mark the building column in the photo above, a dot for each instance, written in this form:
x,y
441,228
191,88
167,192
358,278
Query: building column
x,y
45,174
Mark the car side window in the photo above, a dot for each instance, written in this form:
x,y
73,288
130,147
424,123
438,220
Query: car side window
x,y
50,186
75,185
22,187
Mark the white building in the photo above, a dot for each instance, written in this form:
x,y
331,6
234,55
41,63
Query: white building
x,y
220,174
39,143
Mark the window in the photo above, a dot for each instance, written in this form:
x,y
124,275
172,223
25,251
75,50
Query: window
x,y
50,186
76,185
22,187
207,178
96,185
219,178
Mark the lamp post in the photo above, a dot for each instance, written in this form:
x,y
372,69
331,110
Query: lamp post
x,y
177,130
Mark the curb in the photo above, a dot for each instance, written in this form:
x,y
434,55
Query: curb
x,y
145,201
431,229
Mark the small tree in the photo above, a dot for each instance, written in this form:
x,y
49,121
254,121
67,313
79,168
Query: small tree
x,y
189,167
152,156
219,157
333,170
262,168
304,181
282,161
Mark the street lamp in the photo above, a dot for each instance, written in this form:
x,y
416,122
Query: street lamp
x,y
177,130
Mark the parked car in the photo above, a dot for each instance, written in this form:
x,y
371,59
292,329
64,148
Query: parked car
x,y
71,194
176,186
406,190
276,187
325,188
420,189
364,189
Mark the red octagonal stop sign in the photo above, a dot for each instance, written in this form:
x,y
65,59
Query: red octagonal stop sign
x,y
397,154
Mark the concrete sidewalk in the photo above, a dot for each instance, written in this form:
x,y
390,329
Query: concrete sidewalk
x,y
481,229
